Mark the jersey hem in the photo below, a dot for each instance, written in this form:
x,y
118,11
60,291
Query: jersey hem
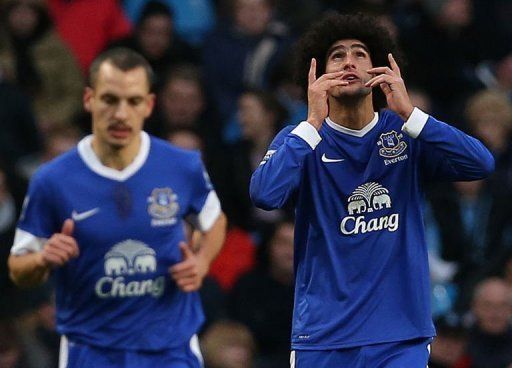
x,y
426,334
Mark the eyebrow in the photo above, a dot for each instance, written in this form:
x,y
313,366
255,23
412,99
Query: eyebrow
x,y
353,46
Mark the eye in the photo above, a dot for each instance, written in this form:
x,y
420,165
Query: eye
x,y
361,54
109,99
134,101
337,55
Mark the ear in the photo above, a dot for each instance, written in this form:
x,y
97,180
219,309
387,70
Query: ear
x,y
88,94
150,104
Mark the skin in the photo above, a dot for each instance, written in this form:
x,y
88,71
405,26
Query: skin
x,y
344,92
119,102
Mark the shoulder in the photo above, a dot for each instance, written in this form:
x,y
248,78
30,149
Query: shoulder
x,y
58,168
164,154
162,147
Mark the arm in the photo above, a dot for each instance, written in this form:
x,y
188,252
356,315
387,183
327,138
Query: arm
x,y
278,176
33,268
449,153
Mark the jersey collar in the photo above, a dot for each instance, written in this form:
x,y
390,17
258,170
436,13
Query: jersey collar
x,y
92,161
357,133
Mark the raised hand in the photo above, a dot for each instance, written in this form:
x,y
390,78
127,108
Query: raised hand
x,y
190,272
61,247
391,83
318,106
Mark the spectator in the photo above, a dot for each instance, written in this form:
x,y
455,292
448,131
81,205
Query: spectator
x,y
20,134
11,350
489,113
243,53
228,344
472,221
260,116
449,346
193,18
263,298
446,67
490,339
155,39
33,56
88,26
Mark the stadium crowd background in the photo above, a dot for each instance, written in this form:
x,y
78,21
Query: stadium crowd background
x,y
225,85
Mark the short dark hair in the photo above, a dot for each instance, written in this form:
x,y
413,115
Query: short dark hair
x,y
333,27
122,58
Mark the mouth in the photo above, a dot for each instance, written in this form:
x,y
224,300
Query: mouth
x,y
119,131
351,78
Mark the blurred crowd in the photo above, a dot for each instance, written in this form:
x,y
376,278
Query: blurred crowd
x,y
225,86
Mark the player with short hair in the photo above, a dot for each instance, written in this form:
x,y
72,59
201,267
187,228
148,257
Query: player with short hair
x,y
106,219
362,294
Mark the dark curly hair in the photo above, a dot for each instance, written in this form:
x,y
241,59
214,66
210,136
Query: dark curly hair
x,y
334,27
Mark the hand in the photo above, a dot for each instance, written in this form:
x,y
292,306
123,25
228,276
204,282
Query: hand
x,y
190,272
318,107
391,83
60,248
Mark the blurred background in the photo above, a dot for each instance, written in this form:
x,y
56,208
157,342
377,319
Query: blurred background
x,y
225,87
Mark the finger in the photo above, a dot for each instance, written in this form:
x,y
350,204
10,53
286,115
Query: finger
x,y
190,287
64,253
67,227
381,78
312,72
53,260
327,84
186,251
181,267
66,243
184,274
380,70
385,88
329,76
186,281
394,65
56,256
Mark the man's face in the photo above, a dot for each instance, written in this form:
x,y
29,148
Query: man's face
x,y
155,35
352,57
119,102
182,102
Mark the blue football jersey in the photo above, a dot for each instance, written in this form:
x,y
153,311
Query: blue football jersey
x,y
128,224
360,257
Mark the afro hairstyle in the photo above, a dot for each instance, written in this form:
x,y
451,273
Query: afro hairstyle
x,y
334,27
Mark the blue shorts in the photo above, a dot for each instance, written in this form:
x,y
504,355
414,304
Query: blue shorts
x,y
75,355
401,354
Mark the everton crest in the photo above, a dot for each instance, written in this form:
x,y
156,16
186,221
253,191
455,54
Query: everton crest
x,y
391,145
163,206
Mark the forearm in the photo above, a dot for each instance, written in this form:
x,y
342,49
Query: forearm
x,y
28,270
212,241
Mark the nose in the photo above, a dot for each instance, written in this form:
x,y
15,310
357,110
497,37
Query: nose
x,y
121,112
349,62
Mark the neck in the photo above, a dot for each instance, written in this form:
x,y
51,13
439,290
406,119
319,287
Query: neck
x,y
351,113
117,158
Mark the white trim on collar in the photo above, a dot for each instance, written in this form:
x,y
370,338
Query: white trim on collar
x,y
357,133
92,161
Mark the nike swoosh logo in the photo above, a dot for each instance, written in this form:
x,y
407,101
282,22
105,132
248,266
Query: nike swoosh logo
x,y
325,159
79,216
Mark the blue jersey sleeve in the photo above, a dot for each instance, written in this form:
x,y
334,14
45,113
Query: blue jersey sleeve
x,y
38,215
449,154
278,176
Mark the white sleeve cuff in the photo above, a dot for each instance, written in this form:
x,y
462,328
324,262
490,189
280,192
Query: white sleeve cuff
x,y
307,132
211,210
414,125
25,242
